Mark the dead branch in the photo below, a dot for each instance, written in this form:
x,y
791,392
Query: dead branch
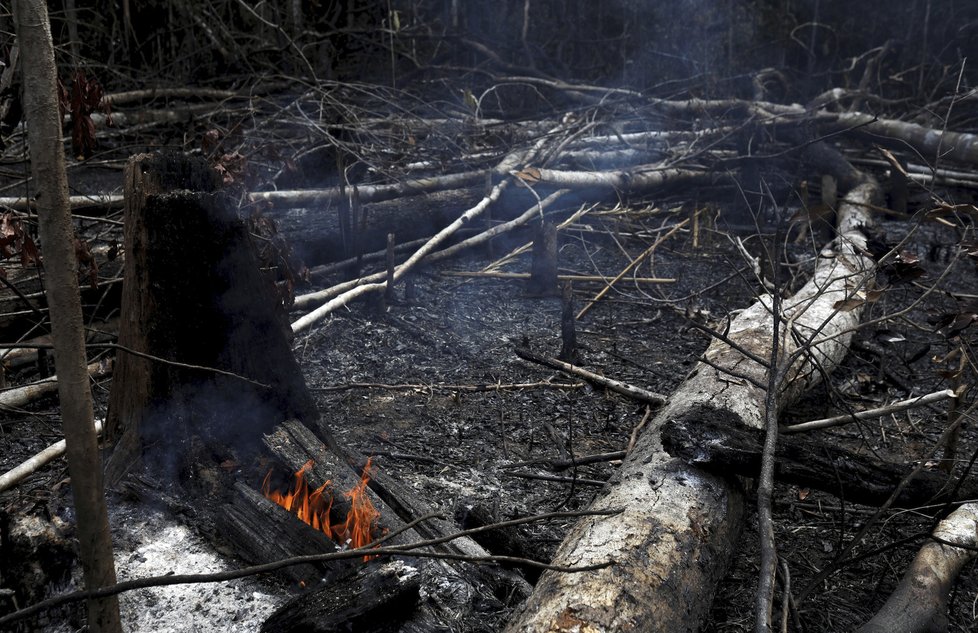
x,y
895,407
636,393
150,94
482,274
371,193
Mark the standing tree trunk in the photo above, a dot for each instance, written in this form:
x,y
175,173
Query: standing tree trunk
x,y
57,241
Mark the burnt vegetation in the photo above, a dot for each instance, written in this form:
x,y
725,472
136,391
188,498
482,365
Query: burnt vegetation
x,y
700,275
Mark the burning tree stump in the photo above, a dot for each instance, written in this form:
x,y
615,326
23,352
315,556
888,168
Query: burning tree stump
x,y
205,378
204,349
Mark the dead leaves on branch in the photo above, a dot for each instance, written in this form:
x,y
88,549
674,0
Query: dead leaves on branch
x,y
15,242
82,100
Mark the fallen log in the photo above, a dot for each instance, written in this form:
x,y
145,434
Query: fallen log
x,y
676,536
920,602
805,461
31,465
25,394
449,584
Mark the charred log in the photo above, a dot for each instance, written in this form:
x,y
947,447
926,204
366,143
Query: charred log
x,y
263,532
378,599
701,439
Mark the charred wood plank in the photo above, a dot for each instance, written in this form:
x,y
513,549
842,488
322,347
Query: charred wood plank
x,y
699,439
263,532
378,599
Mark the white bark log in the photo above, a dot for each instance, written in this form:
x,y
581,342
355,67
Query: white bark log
x,y
25,394
30,466
673,540
919,603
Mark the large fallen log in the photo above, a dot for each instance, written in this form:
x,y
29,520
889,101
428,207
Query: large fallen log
x,y
677,534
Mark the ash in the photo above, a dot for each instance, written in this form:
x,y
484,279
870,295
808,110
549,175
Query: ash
x,y
148,542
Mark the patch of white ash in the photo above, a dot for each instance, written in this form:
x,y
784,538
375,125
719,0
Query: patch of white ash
x,y
150,543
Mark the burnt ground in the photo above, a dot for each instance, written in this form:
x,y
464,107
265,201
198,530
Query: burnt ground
x,y
440,411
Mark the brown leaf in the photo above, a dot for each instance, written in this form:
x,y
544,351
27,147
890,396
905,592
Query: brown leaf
x,y
847,305
529,174
892,160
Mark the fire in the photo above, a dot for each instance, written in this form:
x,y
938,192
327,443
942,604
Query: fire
x,y
313,507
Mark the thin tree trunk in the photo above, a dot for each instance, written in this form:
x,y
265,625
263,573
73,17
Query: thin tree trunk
x,y
57,241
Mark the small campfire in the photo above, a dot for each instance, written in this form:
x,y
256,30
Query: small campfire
x,y
313,507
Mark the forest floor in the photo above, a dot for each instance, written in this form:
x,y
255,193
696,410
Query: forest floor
x,y
430,385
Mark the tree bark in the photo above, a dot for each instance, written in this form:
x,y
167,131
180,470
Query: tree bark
x,y
67,328
220,365
674,538
919,603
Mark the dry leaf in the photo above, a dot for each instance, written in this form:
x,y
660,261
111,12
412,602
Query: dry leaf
x,y
847,305
529,174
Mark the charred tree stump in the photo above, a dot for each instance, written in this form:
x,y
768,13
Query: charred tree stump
x,y
543,270
204,349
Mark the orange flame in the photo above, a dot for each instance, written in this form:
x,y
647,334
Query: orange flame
x,y
312,507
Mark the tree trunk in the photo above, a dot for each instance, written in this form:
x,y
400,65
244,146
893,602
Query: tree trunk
x,y
57,241
215,356
678,526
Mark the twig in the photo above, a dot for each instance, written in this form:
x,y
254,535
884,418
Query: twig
x,y
635,262
895,407
638,429
625,389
